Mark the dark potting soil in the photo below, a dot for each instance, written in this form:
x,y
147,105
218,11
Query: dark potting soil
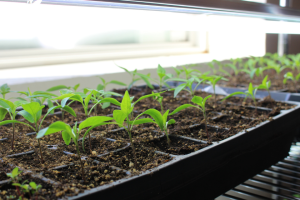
x,y
72,181
198,132
146,159
178,146
99,146
51,157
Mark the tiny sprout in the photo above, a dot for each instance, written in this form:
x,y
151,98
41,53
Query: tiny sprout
x,y
235,70
163,77
200,105
213,80
276,67
160,120
133,73
251,92
160,101
294,79
14,174
126,113
265,85
4,89
104,84
68,133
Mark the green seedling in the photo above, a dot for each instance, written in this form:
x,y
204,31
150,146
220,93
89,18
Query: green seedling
x,y
32,112
97,96
278,69
38,96
14,175
85,102
104,84
159,99
61,87
188,84
69,133
238,62
200,104
294,79
235,70
34,188
125,115
10,108
163,77
295,61
251,92
189,72
178,72
265,85
212,66
160,119
133,74
4,89
213,80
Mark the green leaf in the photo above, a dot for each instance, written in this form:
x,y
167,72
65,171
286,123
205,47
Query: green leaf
x,y
34,109
76,87
264,82
100,87
126,104
66,137
75,97
4,88
33,185
125,69
165,117
111,100
87,100
27,116
91,121
179,88
50,105
204,100
156,115
171,121
250,88
233,94
184,106
105,105
146,80
3,113
161,72
117,83
197,100
119,116
142,121
15,121
54,128
7,105
58,87
69,110
147,96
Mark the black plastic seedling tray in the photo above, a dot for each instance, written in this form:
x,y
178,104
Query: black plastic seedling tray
x,y
213,170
